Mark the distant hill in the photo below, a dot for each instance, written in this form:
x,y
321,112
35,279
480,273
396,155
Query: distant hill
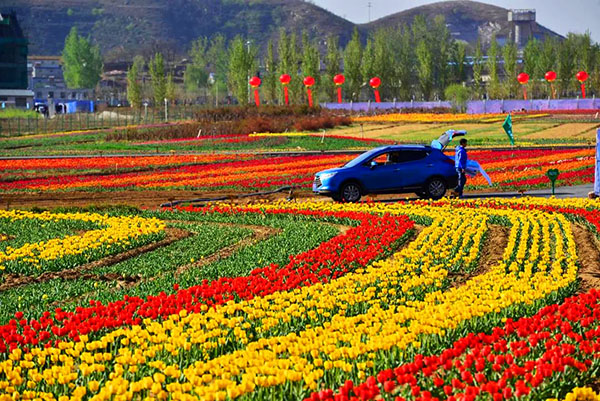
x,y
126,27
120,26
466,20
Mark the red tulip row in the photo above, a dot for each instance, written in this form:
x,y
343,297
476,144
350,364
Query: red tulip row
x,y
373,238
559,344
176,176
565,178
203,138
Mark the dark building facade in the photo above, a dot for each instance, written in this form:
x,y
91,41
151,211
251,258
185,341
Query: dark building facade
x,y
13,53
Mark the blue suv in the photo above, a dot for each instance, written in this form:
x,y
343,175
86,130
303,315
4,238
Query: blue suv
x,y
424,170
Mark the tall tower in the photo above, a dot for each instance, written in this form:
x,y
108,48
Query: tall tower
x,y
521,24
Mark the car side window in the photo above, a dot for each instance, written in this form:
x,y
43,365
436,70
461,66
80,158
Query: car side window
x,y
381,160
412,155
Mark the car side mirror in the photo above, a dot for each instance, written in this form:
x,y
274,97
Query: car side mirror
x,y
373,164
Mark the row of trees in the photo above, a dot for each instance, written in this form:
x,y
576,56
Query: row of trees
x,y
414,62
419,61
163,86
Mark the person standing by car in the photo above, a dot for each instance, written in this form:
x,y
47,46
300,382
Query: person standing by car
x,y
460,162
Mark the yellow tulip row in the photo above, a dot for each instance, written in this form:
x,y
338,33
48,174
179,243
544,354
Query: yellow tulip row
x,y
307,334
119,230
580,394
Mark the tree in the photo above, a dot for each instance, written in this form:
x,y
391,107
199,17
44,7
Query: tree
x,y
271,79
458,95
218,63
494,89
425,68
382,61
531,62
134,89
242,65
566,66
509,55
367,66
156,68
196,76
310,59
440,44
403,68
332,67
170,89
477,67
82,62
352,65
459,59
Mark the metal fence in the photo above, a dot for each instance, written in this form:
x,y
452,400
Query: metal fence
x,y
94,121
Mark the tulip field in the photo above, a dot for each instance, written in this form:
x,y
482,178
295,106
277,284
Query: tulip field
x,y
490,299
509,170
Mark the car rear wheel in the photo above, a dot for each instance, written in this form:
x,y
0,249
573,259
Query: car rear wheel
x,y
435,188
350,192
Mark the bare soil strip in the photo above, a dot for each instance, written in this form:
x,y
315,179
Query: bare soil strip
x,y
16,280
491,254
588,256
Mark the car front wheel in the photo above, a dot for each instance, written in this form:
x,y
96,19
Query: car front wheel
x,y
435,188
350,192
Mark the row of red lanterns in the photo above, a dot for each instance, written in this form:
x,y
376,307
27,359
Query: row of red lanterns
x,y
309,81
550,76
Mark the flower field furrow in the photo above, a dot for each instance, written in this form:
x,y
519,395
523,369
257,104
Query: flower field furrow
x,y
357,247
508,169
297,339
118,162
508,176
537,357
119,233
184,176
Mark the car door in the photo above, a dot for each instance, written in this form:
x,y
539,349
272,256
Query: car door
x,y
414,167
382,176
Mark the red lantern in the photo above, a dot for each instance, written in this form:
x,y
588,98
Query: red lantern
x,y
339,80
523,78
551,77
582,76
285,79
375,83
308,82
255,83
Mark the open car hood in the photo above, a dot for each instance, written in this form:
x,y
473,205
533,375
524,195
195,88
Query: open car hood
x,y
446,138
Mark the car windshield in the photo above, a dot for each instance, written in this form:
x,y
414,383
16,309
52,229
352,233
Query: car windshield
x,y
362,158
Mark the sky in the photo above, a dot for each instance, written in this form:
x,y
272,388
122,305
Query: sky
x,y
561,16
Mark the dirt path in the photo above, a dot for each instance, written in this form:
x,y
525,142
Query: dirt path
x,y
588,256
491,254
14,280
146,199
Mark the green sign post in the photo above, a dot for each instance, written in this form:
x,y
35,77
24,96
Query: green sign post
x,y
552,175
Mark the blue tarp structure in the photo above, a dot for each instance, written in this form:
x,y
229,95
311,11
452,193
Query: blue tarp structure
x,y
72,106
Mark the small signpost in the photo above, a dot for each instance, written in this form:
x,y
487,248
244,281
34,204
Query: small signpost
x,y
552,175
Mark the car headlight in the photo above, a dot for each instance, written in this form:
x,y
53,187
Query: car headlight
x,y
326,176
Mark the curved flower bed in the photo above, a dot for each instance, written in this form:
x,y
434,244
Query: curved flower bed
x,y
538,356
374,237
340,314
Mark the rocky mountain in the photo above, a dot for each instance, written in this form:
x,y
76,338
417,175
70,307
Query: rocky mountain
x,y
126,27
467,20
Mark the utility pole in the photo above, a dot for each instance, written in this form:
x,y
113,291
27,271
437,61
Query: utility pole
x,y
369,7
248,78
